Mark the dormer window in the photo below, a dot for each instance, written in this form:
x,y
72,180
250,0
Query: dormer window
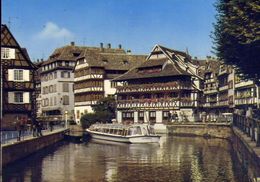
x,y
105,61
125,62
76,54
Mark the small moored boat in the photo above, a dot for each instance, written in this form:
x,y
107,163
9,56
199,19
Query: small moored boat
x,y
136,133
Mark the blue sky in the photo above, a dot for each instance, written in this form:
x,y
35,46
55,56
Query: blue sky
x,y
43,25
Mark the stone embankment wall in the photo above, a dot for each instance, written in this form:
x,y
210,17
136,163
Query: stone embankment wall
x,y
18,150
247,153
201,129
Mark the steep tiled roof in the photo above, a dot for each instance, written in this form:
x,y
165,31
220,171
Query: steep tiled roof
x,y
72,52
122,61
169,70
160,67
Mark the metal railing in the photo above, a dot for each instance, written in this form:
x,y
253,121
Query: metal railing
x,y
12,136
249,126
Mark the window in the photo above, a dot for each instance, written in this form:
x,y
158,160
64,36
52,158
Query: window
x,y
65,100
105,61
18,97
78,114
65,87
7,53
140,114
166,114
152,114
113,84
55,75
18,75
65,74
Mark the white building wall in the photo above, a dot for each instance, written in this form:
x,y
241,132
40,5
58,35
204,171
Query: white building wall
x,y
135,116
82,110
59,94
146,116
119,116
108,89
158,116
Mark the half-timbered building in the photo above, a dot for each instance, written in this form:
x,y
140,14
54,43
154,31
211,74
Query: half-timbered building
x,y
166,84
17,71
93,74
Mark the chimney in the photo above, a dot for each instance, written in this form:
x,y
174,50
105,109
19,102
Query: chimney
x,y
128,51
38,60
41,59
101,45
72,43
108,45
120,46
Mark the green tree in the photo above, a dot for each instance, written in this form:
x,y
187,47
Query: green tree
x,y
237,35
104,112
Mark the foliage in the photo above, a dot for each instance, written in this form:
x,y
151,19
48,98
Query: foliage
x,y
104,111
237,35
88,119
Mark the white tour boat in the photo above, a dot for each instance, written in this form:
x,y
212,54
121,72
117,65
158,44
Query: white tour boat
x,y
136,133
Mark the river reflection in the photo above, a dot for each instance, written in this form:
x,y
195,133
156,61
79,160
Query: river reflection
x,y
174,159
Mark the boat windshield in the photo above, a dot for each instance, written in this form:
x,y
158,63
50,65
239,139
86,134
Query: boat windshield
x,y
135,131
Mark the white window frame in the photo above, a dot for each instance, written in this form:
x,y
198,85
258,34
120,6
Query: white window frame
x,y
18,76
7,53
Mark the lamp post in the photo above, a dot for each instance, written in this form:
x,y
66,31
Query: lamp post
x,y
66,119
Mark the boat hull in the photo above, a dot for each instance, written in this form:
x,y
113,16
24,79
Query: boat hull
x,y
125,139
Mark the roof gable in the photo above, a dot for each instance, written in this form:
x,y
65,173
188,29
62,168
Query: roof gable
x,y
9,41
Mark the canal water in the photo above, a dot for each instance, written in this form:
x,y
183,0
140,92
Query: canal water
x,y
177,159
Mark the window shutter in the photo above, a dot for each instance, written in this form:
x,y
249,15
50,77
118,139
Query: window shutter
x,y
10,75
26,97
10,97
12,53
26,75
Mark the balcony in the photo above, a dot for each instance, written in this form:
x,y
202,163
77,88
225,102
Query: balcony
x,y
155,103
87,77
85,103
245,101
223,103
211,104
244,84
154,87
210,90
89,89
222,88
211,80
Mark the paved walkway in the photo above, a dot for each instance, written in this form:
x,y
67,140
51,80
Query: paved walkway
x,y
10,137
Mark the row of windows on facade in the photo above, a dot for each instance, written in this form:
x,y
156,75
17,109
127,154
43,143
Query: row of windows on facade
x,y
57,64
83,72
53,88
18,75
53,101
7,53
214,85
157,95
239,94
141,114
88,84
51,76
88,97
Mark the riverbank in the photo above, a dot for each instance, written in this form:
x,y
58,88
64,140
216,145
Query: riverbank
x,y
17,150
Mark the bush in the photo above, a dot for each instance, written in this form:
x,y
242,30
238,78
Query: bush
x,y
88,119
